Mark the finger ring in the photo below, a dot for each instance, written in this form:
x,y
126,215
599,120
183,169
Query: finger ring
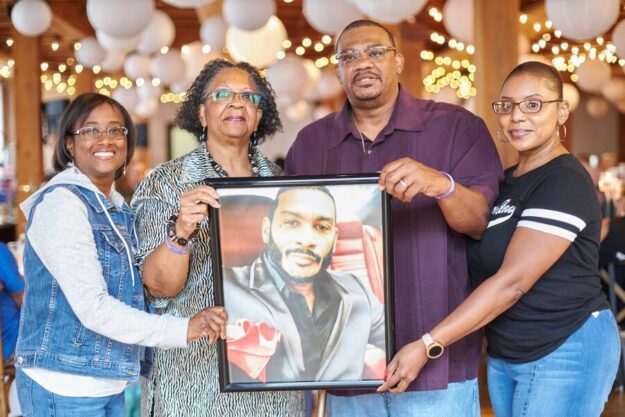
x,y
403,183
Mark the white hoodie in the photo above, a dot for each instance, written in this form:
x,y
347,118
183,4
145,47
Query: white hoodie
x,y
62,237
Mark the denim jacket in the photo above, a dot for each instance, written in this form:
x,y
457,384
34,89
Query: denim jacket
x,y
50,335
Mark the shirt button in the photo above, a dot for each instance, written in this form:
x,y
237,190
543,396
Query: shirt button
x,y
369,151
20,360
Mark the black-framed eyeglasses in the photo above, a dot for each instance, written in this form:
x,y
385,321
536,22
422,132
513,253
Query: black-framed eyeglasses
x,y
93,133
226,96
372,53
526,106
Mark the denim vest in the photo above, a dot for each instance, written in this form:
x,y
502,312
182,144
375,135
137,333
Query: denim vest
x,y
50,334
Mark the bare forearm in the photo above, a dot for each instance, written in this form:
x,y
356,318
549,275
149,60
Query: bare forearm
x,y
165,272
466,211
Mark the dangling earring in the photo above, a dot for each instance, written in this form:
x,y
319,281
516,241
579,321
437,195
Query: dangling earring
x,y
203,135
558,132
254,139
124,169
500,136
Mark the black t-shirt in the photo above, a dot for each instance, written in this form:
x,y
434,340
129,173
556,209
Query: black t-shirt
x,y
557,198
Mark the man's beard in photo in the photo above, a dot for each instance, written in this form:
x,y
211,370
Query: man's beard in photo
x,y
275,257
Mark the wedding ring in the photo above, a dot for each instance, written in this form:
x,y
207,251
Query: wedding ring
x,y
403,183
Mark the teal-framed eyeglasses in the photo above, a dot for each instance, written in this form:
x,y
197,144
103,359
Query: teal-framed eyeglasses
x,y
372,53
226,96
93,133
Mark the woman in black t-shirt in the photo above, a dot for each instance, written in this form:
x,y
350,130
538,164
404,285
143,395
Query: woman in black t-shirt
x,y
553,343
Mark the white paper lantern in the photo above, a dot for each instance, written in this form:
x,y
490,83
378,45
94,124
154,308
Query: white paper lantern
x,y
618,38
447,95
458,19
113,62
614,89
126,97
195,59
248,14
321,111
593,74
313,75
168,67
213,32
571,95
147,107
149,90
137,66
188,4
327,87
288,77
330,16
31,17
534,57
90,53
180,87
114,44
390,11
597,107
258,47
160,32
298,111
582,19
120,18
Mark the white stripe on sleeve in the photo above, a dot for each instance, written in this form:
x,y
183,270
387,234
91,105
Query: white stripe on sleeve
x,y
555,215
547,228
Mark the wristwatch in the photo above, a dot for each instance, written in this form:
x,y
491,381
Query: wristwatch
x,y
432,348
173,236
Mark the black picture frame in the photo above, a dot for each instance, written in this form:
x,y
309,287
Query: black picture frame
x,y
261,351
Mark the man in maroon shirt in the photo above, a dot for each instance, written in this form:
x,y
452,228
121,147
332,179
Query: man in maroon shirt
x,y
440,165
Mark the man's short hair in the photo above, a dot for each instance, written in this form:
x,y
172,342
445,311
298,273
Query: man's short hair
x,y
282,190
364,23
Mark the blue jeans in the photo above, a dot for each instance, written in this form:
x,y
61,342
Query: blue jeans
x,y
573,381
460,399
39,402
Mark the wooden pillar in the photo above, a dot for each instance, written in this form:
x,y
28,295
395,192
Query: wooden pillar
x,y
84,82
412,78
496,26
27,94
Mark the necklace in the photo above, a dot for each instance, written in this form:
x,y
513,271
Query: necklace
x,y
362,139
222,172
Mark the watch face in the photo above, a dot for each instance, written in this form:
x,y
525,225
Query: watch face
x,y
434,351
182,241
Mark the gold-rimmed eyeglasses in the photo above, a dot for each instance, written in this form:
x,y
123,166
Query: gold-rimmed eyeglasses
x,y
372,53
93,133
526,106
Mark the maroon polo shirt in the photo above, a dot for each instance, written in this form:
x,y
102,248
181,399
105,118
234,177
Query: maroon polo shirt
x,y
430,267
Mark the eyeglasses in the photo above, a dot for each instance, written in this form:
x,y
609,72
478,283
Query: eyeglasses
x,y
93,133
372,53
526,106
226,96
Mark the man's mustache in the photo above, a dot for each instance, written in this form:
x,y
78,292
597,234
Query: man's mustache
x,y
363,74
303,251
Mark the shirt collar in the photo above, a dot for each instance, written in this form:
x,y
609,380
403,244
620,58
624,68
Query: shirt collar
x,y
407,115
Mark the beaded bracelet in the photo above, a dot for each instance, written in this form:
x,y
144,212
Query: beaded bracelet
x,y
451,187
175,249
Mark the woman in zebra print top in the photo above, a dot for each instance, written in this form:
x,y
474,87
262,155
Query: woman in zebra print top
x,y
230,108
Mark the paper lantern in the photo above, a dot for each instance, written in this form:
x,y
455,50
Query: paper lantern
x,y
313,75
31,17
582,19
114,44
122,19
458,19
188,4
288,76
126,97
90,53
137,66
298,111
180,87
258,47
113,62
321,111
160,32
327,87
147,107
447,95
597,107
213,32
195,59
149,90
330,16
614,89
593,74
248,14
390,11
168,67
571,95
618,38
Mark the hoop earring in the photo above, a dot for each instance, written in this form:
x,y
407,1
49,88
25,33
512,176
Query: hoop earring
x,y
564,129
203,135
500,136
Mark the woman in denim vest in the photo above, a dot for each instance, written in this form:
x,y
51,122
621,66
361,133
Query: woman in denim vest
x,y
83,314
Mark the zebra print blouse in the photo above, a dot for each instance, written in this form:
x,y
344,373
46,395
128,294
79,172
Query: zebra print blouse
x,y
184,382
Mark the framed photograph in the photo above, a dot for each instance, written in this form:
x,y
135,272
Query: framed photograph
x,y
303,267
